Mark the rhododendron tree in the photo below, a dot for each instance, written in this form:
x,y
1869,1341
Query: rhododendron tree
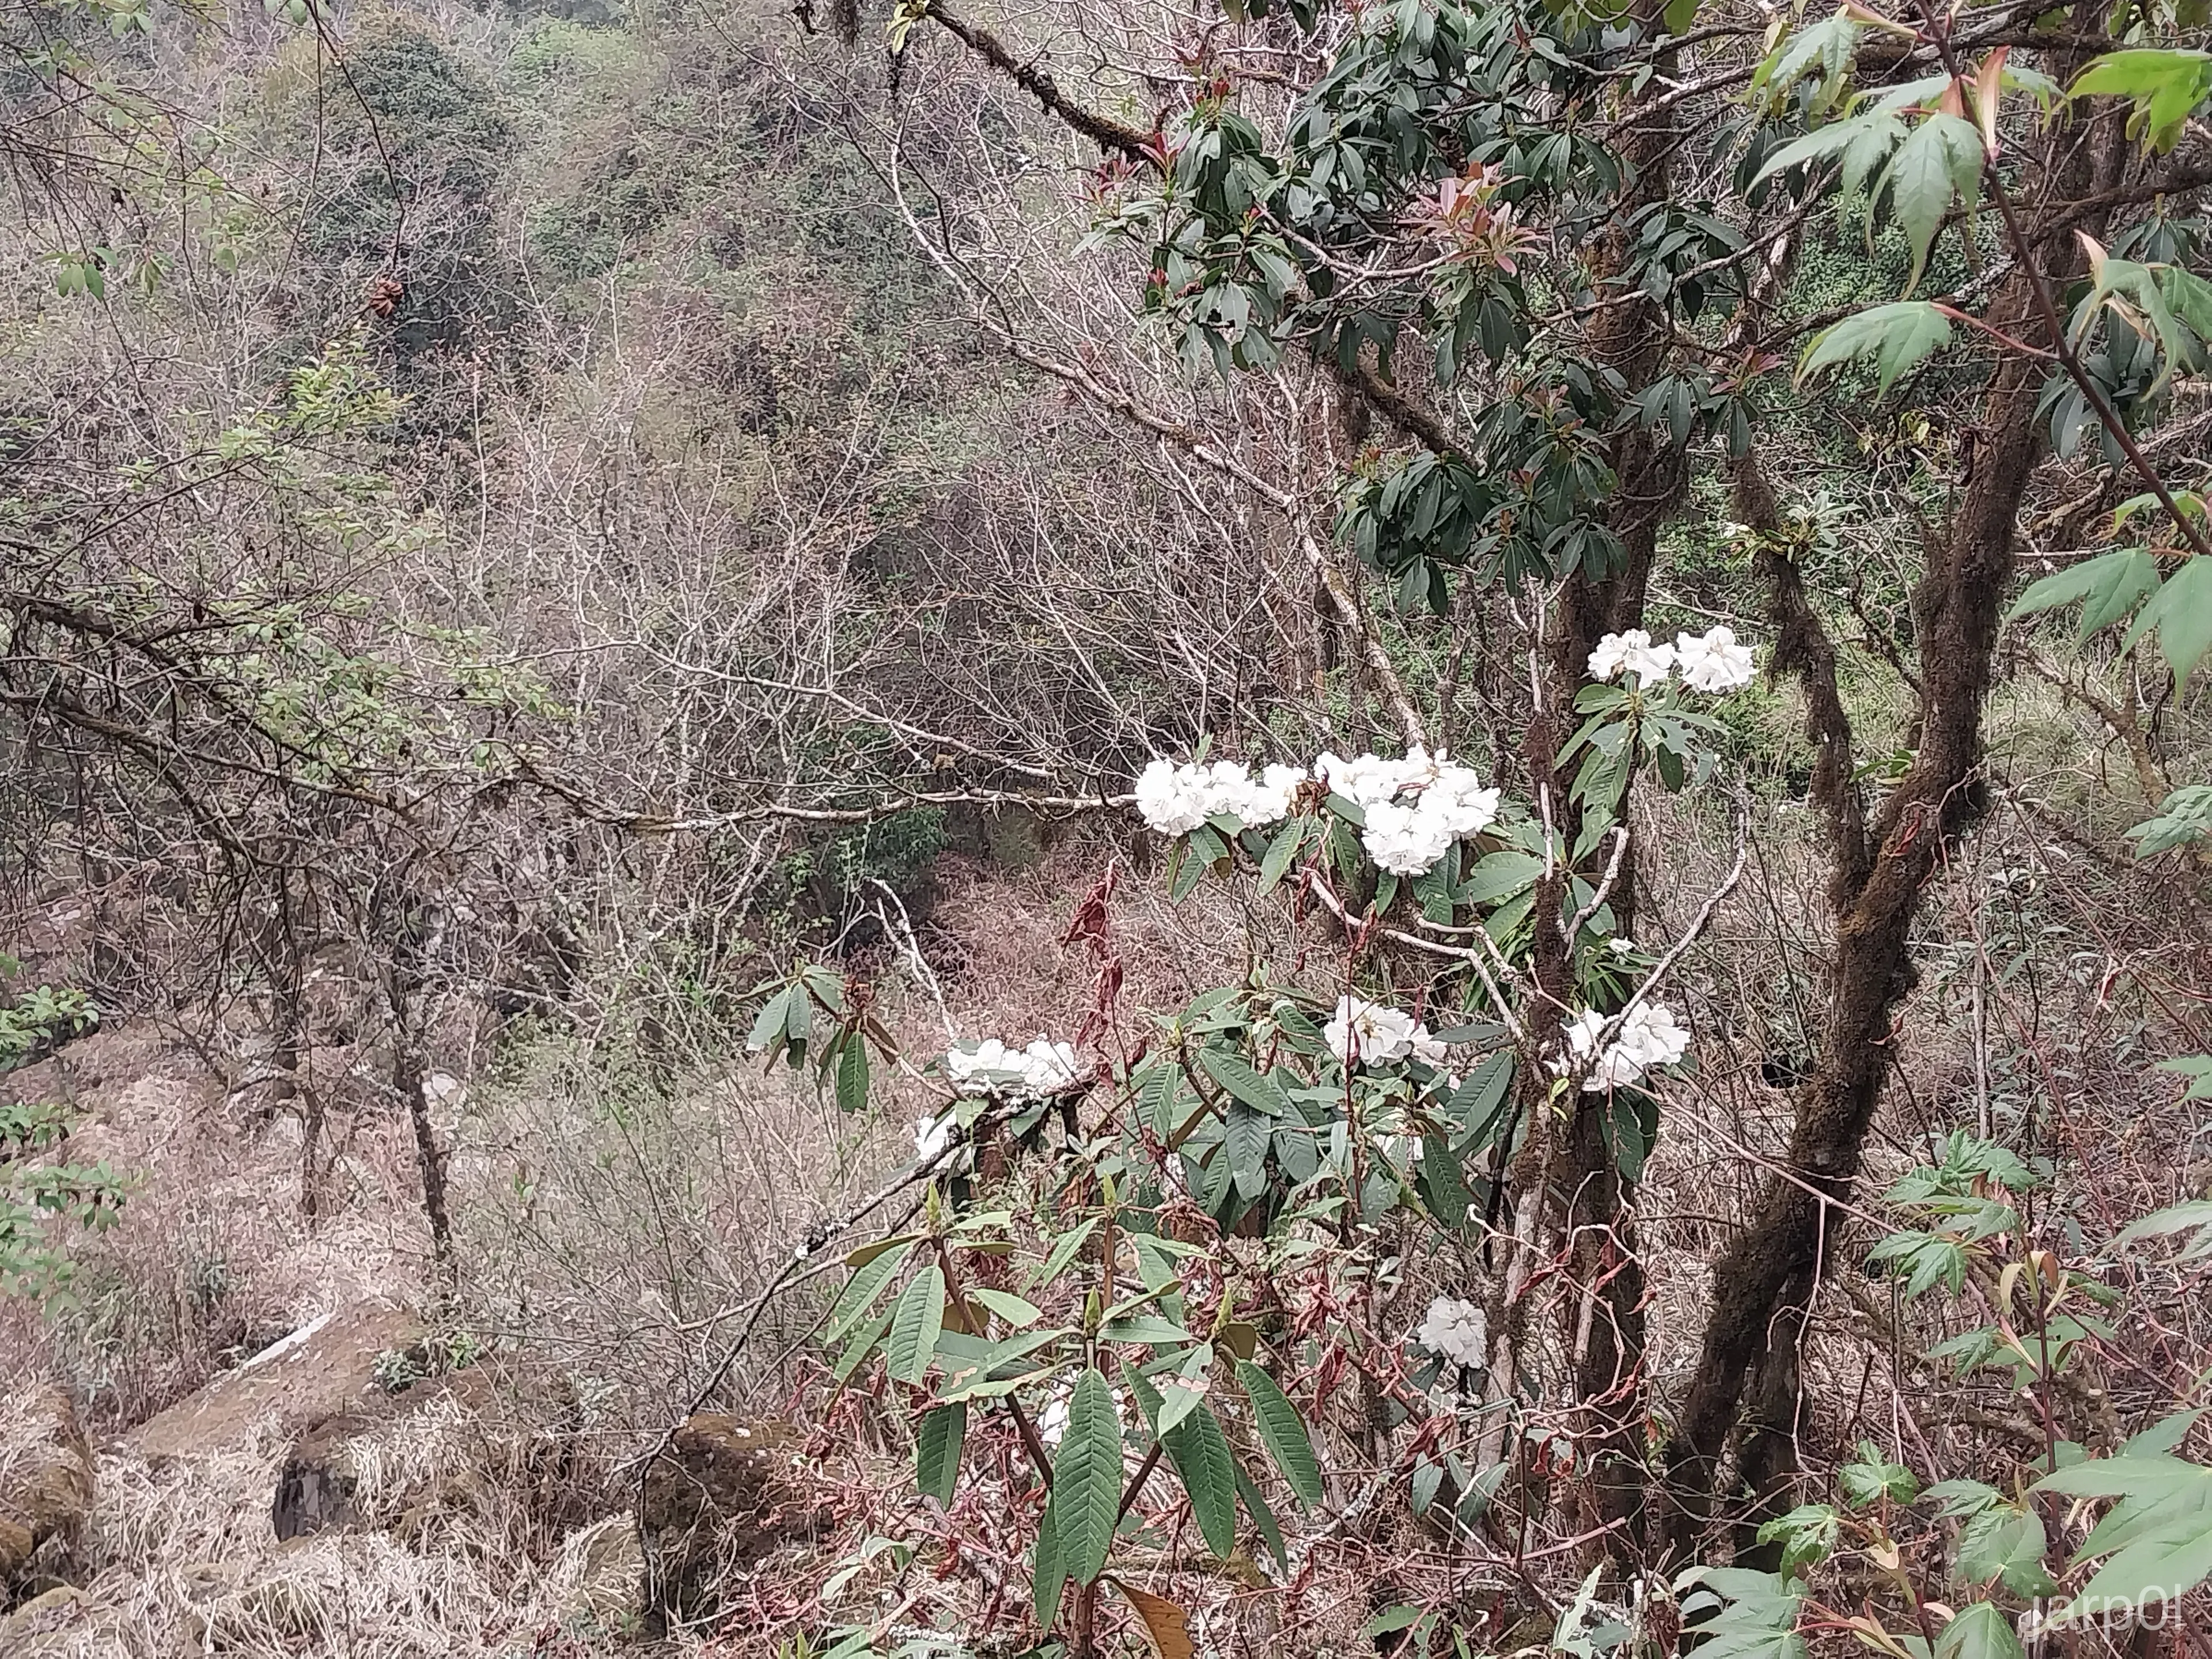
x,y
1478,267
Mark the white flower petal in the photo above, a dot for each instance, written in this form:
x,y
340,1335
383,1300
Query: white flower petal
x,y
1713,661
1456,1331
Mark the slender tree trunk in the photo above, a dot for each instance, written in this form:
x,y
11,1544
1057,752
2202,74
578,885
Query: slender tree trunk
x,y
410,1071
286,1060
407,939
1606,1328
1764,1281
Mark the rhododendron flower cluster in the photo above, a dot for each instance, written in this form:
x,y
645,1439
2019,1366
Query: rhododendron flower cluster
x,y
1175,799
1633,652
1649,1037
1409,837
1364,1032
990,1068
1415,809
1455,1331
1711,661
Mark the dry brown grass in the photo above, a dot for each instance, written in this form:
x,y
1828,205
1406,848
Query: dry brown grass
x,y
210,1260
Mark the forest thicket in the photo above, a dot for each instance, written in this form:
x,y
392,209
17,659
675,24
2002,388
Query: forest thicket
x,y
1243,826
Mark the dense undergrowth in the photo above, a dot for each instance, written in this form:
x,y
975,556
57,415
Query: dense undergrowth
x,y
605,614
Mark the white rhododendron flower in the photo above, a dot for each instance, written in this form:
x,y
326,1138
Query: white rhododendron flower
x,y
1647,1038
1653,1036
1420,768
1363,1030
1369,779
1050,1067
931,1135
1415,808
1253,802
1426,1045
1621,946
1406,841
1054,1423
1169,800
1456,1331
1458,802
990,1067
1633,651
1223,787
1277,792
1713,661
971,1070
1173,800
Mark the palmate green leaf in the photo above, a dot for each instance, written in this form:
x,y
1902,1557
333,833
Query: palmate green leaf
x,y
1391,1618
1897,337
2189,296
1086,1480
1807,1535
2107,587
937,1450
1955,1499
1824,49
2165,86
2183,819
2181,612
2146,289
1283,1433
2163,1436
1983,1630
1873,1478
1940,158
1862,142
1925,1259
917,1319
2195,1215
1758,1619
2156,1541
2006,1542
2195,1067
